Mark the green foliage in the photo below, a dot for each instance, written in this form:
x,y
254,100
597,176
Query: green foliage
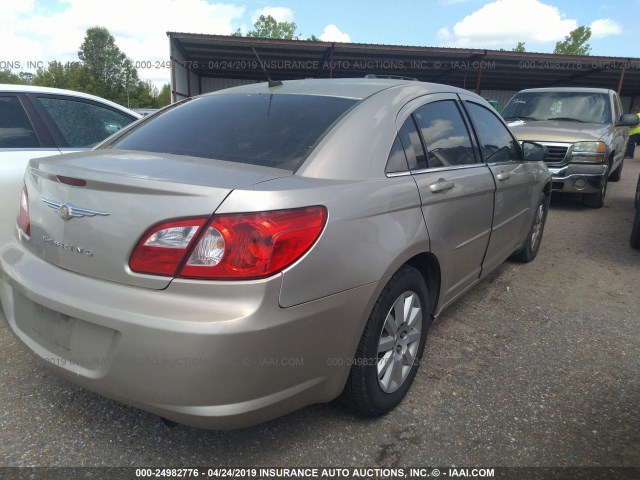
x,y
269,27
237,33
313,38
7,76
114,76
26,77
70,75
575,43
519,48
164,97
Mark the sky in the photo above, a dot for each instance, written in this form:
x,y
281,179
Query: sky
x,y
39,31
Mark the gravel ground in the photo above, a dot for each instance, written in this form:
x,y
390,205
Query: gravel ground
x,y
536,366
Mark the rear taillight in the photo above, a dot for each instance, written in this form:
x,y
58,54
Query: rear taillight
x,y
163,247
235,246
23,220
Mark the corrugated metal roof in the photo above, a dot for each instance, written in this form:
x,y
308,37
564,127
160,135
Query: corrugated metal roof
x,y
221,56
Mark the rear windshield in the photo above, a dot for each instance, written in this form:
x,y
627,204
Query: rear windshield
x,y
259,129
561,106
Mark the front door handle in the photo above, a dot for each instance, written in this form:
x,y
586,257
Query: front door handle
x,y
503,175
441,185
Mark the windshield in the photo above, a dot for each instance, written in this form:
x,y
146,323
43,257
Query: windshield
x,y
561,106
272,130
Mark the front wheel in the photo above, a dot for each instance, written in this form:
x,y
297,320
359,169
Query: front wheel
x,y
635,231
595,200
529,250
617,173
391,346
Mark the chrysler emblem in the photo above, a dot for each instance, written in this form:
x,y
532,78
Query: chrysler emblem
x,y
68,210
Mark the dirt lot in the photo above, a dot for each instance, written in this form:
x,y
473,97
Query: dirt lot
x,y
536,366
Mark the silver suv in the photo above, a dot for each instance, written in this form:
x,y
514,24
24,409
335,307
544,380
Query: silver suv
x,y
584,131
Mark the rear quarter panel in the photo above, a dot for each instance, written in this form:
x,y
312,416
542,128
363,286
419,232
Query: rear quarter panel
x,y
373,227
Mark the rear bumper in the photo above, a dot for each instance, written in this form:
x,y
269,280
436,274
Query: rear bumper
x,y
208,354
578,178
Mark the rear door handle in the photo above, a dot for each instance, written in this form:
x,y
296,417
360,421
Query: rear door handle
x,y
441,185
503,175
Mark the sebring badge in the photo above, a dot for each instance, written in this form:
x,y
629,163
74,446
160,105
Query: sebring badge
x,y
68,211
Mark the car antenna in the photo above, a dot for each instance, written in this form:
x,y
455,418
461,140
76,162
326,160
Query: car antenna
x,y
272,83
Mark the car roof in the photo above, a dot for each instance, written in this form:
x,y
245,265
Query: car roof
x,y
9,88
356,88
568,89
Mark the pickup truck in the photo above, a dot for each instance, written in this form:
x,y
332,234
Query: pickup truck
x,y
584,131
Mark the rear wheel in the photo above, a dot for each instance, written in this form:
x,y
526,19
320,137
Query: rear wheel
x,y
391,346
529,250
595,200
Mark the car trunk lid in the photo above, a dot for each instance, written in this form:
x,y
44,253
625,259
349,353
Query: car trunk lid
x,y
111,198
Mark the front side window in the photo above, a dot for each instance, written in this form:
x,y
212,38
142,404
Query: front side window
x,y
272,130
445,134
618,108
16,130
496,142
84,124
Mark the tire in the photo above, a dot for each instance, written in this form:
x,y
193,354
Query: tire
x,y
595,200
617,174
397,327
531,245
637,199
635,231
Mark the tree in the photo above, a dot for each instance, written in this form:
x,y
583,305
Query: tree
x,y
113,73
269,27
313,38
104,70
519,48
575,43
164,97
27,77
70,75
7,76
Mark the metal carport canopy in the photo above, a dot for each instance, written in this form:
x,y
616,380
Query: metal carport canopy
x,y
221,56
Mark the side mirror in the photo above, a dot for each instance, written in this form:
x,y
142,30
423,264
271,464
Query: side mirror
x,y
628,120
534,152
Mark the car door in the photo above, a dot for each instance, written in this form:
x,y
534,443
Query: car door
x,y
22,136
620,134
514,178
456,188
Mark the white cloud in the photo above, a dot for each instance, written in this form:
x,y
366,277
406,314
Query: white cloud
x,y
281,14
505,22
604,27
331,33
139,27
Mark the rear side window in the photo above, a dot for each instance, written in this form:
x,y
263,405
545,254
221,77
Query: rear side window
x,y
259,129
416,157
397,161
83,124
445,134
16,130
496,142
